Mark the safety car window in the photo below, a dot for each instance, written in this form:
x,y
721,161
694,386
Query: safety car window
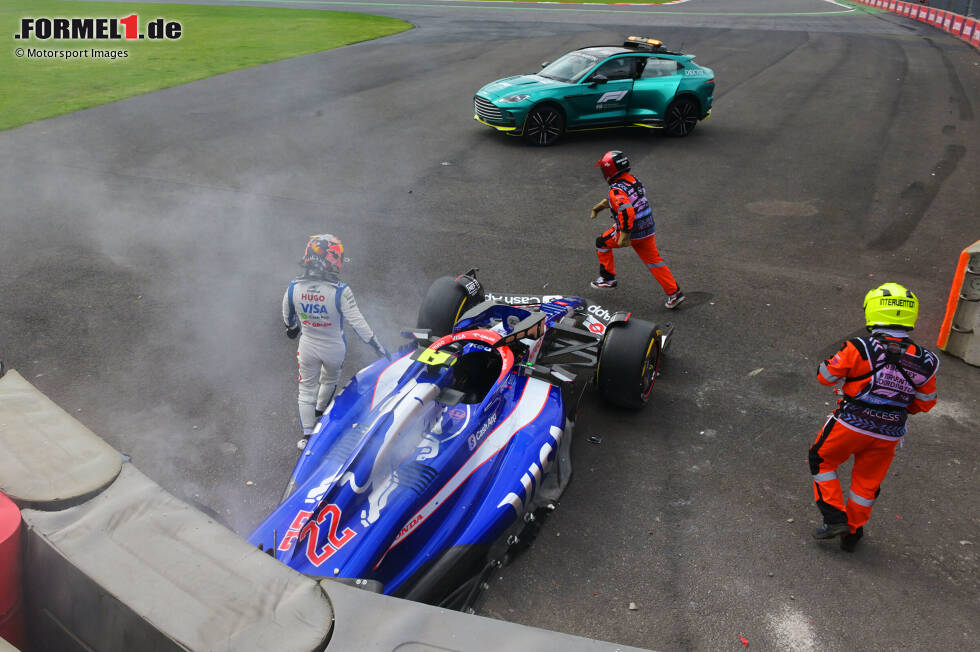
x,y
569,68
618,68
660,68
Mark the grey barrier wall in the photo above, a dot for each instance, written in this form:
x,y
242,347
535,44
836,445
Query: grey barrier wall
x,y
114,562
168,576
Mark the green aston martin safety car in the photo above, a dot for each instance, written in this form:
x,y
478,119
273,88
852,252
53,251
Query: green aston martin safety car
x,y
640,83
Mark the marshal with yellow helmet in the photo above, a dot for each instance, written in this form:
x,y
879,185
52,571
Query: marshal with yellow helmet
x,y
885,377
891,305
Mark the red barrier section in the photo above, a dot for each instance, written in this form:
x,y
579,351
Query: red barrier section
x,y
954,296
960,26
11,613
968,25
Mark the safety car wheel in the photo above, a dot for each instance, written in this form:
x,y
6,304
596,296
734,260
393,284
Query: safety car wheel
x,y
544,125
442,306
681,117
628,363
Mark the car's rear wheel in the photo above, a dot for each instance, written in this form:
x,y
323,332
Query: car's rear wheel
x,y
544,125
444,303
681,117
628,363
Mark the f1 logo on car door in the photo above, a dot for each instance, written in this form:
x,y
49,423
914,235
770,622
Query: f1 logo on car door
x,y
603,97
608,97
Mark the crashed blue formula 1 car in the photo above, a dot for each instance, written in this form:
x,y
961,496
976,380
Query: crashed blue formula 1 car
x,y
429,469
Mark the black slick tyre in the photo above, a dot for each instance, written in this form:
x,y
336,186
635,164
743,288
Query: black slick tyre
x,y
444,303
682,117
544,125
628,363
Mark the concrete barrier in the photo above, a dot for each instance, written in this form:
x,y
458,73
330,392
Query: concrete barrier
x,y
7,647
402,625
111,561
155,574
959,334
48,460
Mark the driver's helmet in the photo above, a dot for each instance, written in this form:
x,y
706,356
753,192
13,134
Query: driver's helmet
x,y
891,304
324,255
612,164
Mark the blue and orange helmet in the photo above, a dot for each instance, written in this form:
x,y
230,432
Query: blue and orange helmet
x,y
324,254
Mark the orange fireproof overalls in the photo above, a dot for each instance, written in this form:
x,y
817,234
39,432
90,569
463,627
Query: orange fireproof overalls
x,y
633,215
886,377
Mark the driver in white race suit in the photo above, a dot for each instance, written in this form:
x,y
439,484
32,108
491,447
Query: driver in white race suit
x,y
317,305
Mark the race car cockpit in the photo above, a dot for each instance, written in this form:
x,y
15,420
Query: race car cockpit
x,y
474,374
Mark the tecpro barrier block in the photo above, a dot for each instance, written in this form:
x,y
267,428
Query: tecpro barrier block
x,y
48,460
137,569
959,334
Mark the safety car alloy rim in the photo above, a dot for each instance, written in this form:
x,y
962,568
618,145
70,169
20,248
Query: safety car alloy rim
x,y
544,126
682,117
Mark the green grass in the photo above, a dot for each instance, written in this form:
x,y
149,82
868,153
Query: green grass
x,y
214,40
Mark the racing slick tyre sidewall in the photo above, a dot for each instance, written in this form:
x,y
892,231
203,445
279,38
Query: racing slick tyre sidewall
x,y
544,125
628,363
442,306
681,117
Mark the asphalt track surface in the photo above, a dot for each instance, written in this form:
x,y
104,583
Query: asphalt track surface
x,y
145,246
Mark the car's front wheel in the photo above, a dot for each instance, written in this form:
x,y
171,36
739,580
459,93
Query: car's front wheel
x,y
682,117
628,363
544,125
